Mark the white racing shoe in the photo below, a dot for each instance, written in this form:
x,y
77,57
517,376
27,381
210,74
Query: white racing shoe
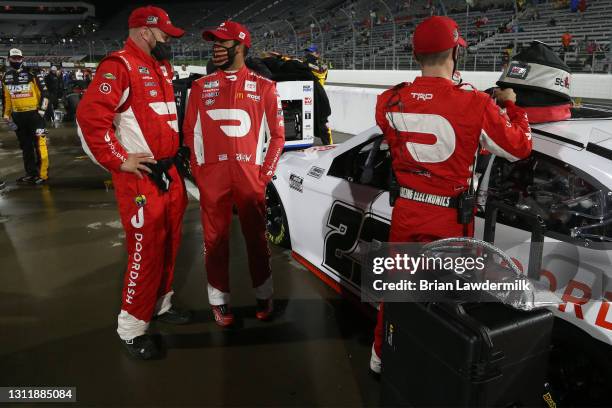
x,y
375,363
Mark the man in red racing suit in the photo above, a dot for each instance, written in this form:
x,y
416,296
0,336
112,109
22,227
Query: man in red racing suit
x,y
232,115
127,122
434,129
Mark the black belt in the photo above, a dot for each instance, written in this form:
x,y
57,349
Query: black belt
x,y
437,200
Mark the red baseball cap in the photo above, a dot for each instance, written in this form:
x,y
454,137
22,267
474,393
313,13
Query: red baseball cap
x,y
150,16
436,34
229,30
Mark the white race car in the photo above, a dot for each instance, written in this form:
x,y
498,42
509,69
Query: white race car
x,y
326,202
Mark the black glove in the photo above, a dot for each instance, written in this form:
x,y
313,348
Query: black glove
x,y
159,175
181,161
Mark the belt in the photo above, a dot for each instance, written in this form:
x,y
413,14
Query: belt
x,y
438,200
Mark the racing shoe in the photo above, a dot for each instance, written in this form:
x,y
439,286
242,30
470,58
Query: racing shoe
x,y
265,308
142,347
25,180
38,180
223,315
375,363
174,316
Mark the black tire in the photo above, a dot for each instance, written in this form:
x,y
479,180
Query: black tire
x,y
277,229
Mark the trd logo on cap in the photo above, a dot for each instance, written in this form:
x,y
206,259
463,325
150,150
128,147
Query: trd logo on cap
x,y
241,35
152,20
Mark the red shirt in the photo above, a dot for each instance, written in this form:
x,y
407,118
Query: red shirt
x,y
233,117
566,39
434,129
129,107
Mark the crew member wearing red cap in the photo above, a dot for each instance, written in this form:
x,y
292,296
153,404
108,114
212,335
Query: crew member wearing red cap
x,y
127,123
235,129
434,129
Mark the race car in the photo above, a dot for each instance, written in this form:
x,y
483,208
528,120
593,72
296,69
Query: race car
x,y
564,189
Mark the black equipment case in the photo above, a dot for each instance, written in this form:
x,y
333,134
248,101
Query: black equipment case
x,y
464,355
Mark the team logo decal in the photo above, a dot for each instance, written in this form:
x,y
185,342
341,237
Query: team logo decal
x,y
296,183
143,70
110,76
153,92
140,200
105,88
211,84
209,102
316,172
518,71
250,86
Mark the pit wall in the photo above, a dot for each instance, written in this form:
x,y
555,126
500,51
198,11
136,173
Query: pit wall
x,y
353,106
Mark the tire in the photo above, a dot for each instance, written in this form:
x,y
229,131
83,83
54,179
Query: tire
x,y
277,229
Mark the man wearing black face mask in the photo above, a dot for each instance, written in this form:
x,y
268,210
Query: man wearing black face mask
x,y
128,124
235,128
25,101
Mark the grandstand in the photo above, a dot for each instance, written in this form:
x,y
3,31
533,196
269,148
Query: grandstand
x,y
352,34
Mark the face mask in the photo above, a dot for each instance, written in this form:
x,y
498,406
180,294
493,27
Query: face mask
x,y
223,57
161,51
16,64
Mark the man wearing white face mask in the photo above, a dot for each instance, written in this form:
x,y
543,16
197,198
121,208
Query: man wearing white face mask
x,y
128,124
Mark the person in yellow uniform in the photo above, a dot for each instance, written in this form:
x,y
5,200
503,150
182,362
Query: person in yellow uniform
x,y
317,66
25,101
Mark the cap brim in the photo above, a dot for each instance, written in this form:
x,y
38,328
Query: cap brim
x,y
462,42
212,35
172,31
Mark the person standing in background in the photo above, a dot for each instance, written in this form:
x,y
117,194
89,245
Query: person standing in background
x,y
25,102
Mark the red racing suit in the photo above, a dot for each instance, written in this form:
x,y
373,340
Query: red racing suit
x,y
434,129
129,108
231,118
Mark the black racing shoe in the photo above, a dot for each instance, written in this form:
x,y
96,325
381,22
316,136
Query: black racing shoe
x,y
25,180
142,347
174,316
38,181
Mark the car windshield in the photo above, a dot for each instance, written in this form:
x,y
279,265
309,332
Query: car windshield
x,y
591,112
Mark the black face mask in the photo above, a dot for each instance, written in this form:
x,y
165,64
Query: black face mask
x,y
231,55
15,64
161,51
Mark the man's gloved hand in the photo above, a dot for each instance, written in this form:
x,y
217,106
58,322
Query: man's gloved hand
x,y
182,162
